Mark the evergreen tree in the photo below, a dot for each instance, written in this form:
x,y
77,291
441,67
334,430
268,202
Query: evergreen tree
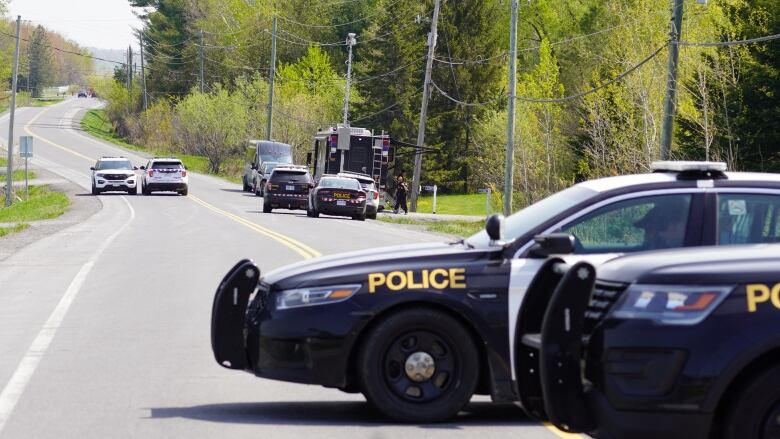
x,y
41,62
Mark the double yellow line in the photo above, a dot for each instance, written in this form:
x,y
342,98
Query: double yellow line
x,y
302,249
294,245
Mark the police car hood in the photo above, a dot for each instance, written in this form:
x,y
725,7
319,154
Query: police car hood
x,y
353,267
700,265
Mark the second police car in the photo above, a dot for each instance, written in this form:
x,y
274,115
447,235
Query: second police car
x,y
679,343
419,329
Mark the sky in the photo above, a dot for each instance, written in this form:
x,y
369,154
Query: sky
x,y
106,24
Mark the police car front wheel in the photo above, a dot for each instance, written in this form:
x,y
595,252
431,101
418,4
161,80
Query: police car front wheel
x,y
419,366
756,411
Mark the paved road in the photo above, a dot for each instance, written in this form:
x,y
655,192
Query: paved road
x,y
104,326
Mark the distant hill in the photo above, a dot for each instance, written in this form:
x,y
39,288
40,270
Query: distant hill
x,y
102,67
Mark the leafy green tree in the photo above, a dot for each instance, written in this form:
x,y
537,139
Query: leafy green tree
x,y
41,62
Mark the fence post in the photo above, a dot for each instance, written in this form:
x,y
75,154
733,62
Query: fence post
x,y
434,198
487,203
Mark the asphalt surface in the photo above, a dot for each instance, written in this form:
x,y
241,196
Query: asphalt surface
x,y
104,325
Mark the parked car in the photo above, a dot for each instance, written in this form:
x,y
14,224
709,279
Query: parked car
x,y
339,196
113,174
369,187
259,152
263,174
163,174
287,188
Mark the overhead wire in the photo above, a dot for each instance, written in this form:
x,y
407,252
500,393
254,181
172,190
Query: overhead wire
x,y
728,43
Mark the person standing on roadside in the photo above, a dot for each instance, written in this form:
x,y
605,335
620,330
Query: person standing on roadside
x,y
400,193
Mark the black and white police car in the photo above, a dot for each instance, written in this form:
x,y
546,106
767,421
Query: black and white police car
x,y
676,344
419,329
113,174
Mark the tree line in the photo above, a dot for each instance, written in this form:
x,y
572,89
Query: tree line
x,y
40,65
727,100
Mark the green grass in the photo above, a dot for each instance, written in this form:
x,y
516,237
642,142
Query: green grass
x,y
43,204
97,124
17,228
18,173
457,228
470,204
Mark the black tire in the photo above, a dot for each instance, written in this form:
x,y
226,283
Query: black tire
x,y
372,216
247,188
184,191
361,217
383,377
756,411
133,191
267,208
95,190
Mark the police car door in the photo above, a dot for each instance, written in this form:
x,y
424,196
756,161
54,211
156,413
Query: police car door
x,y
622,224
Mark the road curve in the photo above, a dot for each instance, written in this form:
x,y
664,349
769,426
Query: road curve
x,y
104,326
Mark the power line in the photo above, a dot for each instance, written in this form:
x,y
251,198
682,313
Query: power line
x,y
307,42
478,60
729,43
569,40
388,108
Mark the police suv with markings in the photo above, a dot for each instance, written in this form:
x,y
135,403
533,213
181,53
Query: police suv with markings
x,y
676,344
164,174
419,329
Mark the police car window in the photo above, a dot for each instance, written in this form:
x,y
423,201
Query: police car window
x,y
531,217
296,176
166,165
748,218
637,224
339,183
114,164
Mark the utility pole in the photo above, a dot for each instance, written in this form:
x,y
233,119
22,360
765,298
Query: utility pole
x,y
9,178
143,73
424,108
200,55
130,68
670,101
350,42
271,79
509,170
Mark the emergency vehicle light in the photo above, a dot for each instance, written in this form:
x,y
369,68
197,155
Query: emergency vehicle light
x,y
687,166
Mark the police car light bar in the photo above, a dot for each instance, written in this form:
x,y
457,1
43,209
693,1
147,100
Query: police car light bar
x,y
687,166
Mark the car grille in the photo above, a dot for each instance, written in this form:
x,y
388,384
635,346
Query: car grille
x,y
115,177
260,300
604,296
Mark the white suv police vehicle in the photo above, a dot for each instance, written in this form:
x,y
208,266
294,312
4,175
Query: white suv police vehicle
x,y
419,329
164,174
113,174
369,187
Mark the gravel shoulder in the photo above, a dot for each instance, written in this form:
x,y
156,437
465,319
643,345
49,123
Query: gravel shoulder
x,y
83,205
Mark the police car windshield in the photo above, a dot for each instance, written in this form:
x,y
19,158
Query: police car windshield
x,y
532,216
340,183
114,164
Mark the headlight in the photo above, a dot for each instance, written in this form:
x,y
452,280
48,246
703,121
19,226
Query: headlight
x,y
670,304
314,296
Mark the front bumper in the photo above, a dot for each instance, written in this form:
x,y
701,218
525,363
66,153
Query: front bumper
x,y
633,383
117,185
302,345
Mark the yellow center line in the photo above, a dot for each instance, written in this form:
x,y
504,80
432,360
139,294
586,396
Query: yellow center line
x,y
27,130
562,434
297,246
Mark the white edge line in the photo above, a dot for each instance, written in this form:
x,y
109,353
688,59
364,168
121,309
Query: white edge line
x,y
13,390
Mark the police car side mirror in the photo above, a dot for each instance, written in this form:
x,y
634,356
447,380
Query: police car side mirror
x,y
135,168
494,226
91,168
552,244
143,168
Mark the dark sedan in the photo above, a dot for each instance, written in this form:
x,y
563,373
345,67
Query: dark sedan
x,y
338,196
